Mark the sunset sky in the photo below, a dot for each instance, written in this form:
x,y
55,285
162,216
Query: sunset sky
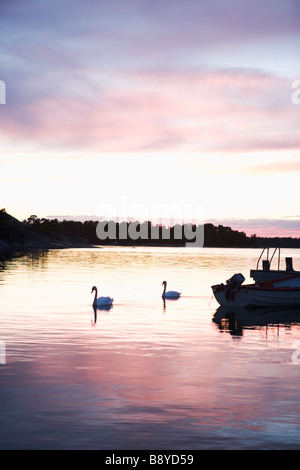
x,y
170,103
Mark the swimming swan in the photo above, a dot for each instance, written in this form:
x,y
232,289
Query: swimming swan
x,y
101,301
171,294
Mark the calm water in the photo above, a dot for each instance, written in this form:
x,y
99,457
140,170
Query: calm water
x,y
143,375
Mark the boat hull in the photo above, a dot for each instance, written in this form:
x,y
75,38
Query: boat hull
x,y
253,296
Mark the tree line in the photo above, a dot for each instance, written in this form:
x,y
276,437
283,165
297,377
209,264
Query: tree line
x,y
214,236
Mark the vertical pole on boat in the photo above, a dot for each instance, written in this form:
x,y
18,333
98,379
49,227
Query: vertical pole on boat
x,y
260,257
275,249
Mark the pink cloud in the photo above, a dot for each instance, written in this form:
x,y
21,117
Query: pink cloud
x,y
276,167
231,110
284,227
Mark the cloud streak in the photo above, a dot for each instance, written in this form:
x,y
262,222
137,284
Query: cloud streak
x,y
128,76
263,227
276,167
133,110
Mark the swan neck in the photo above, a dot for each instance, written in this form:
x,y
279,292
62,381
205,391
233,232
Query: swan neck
x,y
96,293
165,287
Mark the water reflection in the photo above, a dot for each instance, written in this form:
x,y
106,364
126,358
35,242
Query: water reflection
x,y
236,319
13,260
100,307
168,300
133,377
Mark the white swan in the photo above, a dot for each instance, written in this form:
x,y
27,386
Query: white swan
x,y
171,294
101,301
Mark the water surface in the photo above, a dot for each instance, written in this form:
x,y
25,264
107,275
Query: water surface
x,y
143,375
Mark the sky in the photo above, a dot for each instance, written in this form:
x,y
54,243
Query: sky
x,y
152,108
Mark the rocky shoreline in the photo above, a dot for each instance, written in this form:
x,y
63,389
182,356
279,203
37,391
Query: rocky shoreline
x,y
16,236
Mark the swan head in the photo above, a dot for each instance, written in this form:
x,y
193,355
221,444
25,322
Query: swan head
x,y
164,283
93,288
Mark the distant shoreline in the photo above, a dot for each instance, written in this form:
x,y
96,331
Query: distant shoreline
x,y
43,234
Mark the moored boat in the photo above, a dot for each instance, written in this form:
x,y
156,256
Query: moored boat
x,y
280,292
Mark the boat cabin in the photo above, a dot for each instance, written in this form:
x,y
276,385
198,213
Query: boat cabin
x,y
266,272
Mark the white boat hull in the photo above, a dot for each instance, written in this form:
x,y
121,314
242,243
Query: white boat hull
x,y
253,296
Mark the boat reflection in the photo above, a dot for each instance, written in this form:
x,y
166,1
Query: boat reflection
x,y
236,319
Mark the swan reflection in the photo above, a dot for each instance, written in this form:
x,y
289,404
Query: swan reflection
x,y
164,302
96,308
